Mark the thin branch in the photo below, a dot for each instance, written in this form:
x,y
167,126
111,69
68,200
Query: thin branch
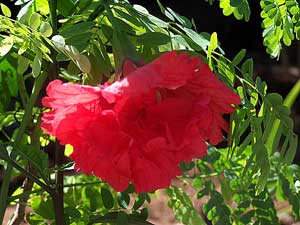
x,y
19,215
14,164
26,120
58,198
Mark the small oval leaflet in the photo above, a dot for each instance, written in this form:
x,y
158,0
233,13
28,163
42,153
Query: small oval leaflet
x,y
73,52
84,64
239,57
214,41
5,10
46,29
36,65
22,64
107,198
5,45
58,41
34,21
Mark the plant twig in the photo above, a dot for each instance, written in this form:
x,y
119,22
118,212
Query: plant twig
x,y
58,194
12,163
19,215
25,122
58,197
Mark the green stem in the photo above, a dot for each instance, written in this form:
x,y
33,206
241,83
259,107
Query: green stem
x,y
22,88
53,15
25,122
292,95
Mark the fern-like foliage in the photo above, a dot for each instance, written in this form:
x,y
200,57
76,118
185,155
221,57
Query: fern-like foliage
x,y
239,8
281,23
281,20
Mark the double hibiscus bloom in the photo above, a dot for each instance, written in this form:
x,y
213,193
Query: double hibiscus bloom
x,y
138,129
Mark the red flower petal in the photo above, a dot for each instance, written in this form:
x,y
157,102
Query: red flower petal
x,y
64,99
140,128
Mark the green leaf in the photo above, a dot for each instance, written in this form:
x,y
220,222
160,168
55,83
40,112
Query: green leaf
x,y
5,10
8,77
182,207
90,197
239,57
77,29
239,8
24,12
59,41
23,64
37,65
164,11
72,52
181,19
42,6
123,199
34,21
24,47
5,45
262,159
291,152
199,39
247,68
66,7
43,207
46,29
100,63
235,3
81,41
107,198
153,39
84,64
214,41
37,157
72,213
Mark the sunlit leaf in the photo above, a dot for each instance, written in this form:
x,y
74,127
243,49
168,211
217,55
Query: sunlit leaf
x,y
5,45
239,57
34,21
5,10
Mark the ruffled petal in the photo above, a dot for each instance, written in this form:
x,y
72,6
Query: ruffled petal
x,y
141,127
100,147
64,99
171,70
153,167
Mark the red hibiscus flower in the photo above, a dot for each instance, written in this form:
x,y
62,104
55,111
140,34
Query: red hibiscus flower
x,y
138,129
